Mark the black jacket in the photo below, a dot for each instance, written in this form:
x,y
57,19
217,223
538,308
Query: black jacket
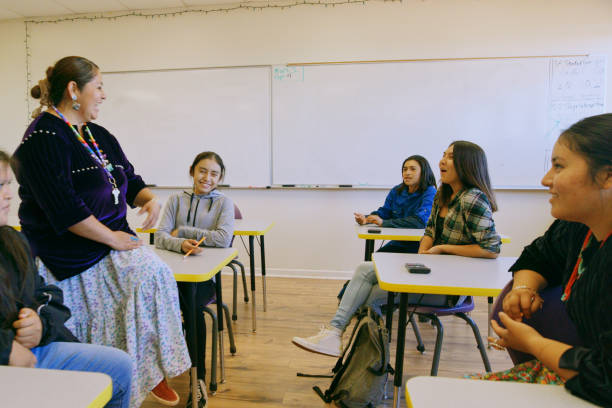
x,y
554,255
47,300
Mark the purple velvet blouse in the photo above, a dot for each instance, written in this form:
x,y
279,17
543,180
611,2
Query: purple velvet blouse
x,y
60,185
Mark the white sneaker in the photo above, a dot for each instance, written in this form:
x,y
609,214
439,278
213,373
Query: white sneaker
x,y
328,342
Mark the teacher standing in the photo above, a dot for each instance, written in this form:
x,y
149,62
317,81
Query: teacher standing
x,y
75,185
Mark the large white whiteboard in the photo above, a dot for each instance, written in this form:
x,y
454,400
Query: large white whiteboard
x,y
164,118
355,123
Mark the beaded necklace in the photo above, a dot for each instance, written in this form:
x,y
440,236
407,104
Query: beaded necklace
x,y
97,156
579,267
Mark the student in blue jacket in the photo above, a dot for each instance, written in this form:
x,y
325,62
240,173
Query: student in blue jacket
x,y
407,205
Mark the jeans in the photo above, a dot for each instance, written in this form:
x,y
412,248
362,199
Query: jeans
x,y
363,289
89,357
401,247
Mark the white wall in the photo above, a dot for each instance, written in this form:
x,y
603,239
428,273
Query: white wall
x,y
313,232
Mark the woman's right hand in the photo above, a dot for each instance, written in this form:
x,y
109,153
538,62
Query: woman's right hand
x,y
21,356
122,241
360,218
189,245
521,302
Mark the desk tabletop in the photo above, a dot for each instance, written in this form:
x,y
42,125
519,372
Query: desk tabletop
x,y
241,227
425,392
399,234
36,387
251,227
396,234
197,268
450,274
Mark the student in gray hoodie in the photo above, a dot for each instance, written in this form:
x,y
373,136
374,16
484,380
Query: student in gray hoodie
x,y
190,216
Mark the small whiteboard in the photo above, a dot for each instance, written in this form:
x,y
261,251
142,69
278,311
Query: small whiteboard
x,y
164,118
355,123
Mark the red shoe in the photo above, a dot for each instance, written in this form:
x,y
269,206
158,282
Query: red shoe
x,y
164,394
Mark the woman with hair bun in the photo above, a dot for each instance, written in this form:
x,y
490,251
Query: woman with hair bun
x,y
75,186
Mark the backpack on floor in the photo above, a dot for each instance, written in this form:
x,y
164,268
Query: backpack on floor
x,y
360,375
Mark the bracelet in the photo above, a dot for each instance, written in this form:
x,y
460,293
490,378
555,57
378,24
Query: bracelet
x,y
524,287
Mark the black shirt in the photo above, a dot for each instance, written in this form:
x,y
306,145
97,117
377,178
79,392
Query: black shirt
x,y
553,256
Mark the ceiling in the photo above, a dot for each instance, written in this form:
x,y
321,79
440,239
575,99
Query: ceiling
x,y
11,9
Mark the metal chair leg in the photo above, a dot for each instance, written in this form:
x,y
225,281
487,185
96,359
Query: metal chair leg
x,y
213,356
244,281
230,331
481,346
417,334
438,350
234,293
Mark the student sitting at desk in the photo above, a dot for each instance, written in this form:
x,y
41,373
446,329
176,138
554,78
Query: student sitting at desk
x,y
75,184
576,253
32,315
407,205
461,223
205,214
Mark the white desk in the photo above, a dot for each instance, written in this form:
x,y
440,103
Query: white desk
x,y
439,392
193,269
36,387
254,229
450,275
394,234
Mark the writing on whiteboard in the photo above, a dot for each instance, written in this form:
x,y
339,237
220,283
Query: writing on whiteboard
x,y
577,90
285,73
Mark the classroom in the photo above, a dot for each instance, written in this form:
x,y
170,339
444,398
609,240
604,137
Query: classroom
x,y
162,47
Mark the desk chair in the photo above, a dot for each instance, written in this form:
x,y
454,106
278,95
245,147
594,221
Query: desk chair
x,y
433,312
233,264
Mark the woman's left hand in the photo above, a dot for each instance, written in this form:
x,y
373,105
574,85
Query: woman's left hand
x,y
516,335
374,219
152,207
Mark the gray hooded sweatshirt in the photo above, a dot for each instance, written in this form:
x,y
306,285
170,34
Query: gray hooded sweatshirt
x,y
196,216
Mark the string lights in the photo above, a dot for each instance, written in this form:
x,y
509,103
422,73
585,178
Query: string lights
x,y
113,16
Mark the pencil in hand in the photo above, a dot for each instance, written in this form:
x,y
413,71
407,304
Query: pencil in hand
x,y
191,250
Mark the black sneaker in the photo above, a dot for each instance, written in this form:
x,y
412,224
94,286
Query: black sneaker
x,y
202,396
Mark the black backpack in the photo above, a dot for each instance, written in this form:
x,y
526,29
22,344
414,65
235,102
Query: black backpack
x,y
360,374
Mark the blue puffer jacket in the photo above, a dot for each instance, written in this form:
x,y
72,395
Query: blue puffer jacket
x,y
406,210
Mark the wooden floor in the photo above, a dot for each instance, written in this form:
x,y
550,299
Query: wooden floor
x,y
263,371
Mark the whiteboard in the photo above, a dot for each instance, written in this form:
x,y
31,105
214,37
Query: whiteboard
x,y
164,118
355,123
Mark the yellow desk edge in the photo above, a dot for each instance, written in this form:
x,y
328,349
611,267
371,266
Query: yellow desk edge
x,y
236,232
364,235
435,290
408,400
253,232
103,397
180,277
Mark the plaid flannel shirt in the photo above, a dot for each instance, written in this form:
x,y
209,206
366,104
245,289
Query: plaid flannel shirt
x,y
469,220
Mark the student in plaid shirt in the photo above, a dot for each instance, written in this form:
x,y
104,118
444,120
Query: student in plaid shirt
x,y
461,223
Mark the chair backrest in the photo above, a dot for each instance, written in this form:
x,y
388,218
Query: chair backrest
x,y
237,213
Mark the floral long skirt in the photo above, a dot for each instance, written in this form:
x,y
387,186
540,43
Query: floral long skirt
x,y
529,372
129,300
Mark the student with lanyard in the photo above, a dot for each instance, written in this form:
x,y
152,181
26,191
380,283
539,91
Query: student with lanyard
x,y
32,315
460,223
407,205
75,186
576,253
205,214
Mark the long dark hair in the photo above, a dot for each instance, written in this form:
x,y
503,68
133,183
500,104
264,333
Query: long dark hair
x,y
471,166
427,177
14,256
591,138
208,155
